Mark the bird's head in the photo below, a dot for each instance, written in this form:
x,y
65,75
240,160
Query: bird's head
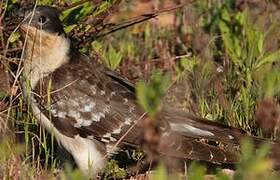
x,y
43,29
42,19
47,46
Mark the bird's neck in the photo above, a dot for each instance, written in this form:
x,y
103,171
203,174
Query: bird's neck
x,y
44,54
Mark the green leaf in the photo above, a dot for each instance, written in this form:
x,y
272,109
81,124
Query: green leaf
x,y
113,58
223,176
45,2
14,37
254,164
97,46
196,172
76,14
150,95
188,64
113,171
161,173
69,28
270,58
102,8
260,42
231,43
271,83
70,174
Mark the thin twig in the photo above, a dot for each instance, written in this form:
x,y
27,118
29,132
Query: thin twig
x,y
125,134
139,19
127,25
60,89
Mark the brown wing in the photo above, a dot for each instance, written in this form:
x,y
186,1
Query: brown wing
x,y
86,100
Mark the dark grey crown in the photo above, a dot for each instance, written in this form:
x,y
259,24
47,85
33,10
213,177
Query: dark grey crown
x,y
46,18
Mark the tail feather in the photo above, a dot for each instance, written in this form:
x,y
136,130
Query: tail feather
x,y
187,129
178,146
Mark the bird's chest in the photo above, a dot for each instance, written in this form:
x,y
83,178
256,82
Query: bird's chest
x,y
44,56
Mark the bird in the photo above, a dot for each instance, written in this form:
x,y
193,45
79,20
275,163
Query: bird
x,y
92,110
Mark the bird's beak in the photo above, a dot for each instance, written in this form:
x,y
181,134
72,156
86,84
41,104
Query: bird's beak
x,y
23,28
27,30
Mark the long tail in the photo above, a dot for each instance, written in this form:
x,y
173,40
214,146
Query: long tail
x,y
194,138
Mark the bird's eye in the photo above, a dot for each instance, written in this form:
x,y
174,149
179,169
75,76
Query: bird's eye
x,y
42,19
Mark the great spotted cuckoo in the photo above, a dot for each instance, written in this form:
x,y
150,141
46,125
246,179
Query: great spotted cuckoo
x,y
88,107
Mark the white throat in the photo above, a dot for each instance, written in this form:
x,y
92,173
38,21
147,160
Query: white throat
x,y
45,52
